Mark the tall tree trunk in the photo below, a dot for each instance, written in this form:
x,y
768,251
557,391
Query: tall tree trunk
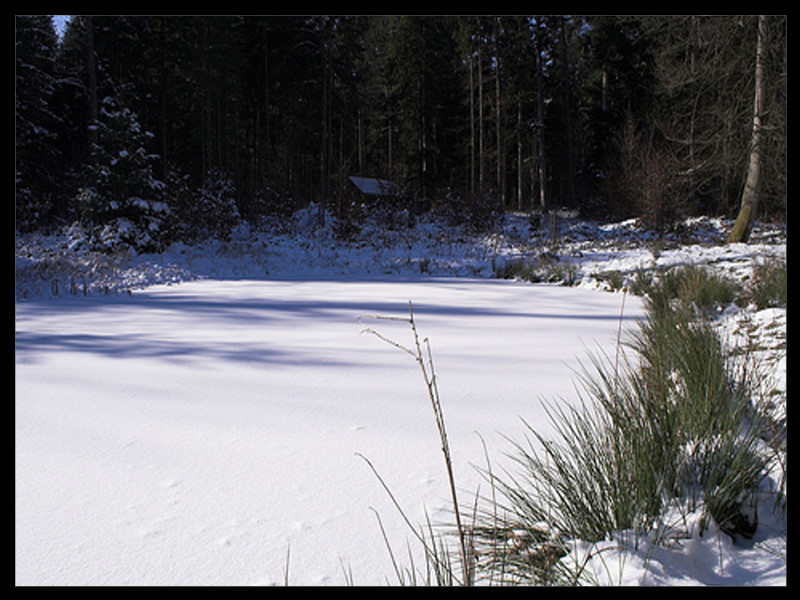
x,y
389,144
160,26
266,174
360,141
747,211
326,130
540,127
471,123
498,116
92,72
480,123
567,115
519,153
501,188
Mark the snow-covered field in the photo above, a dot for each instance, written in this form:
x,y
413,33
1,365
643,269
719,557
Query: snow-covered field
x,y
204,428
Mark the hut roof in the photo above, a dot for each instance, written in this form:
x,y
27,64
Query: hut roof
x,y
376,187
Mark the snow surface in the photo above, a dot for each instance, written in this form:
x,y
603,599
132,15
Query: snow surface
x,y
207,432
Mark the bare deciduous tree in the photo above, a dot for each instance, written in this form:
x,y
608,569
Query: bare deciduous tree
x,y
747,211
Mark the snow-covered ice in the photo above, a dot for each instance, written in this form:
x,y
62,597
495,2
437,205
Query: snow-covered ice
x,y
193,434
207,433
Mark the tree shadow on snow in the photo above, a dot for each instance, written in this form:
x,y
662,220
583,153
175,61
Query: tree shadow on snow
x,y
183,325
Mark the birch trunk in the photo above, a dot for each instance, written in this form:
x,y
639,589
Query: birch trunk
x,y
747,211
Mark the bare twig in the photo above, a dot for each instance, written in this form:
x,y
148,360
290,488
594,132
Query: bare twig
x,y
429,376
389,341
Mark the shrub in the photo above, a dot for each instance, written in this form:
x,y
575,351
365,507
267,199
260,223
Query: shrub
x,y
212,212
478,212
645,176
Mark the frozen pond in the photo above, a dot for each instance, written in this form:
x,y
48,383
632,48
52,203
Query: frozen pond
x,y
194,434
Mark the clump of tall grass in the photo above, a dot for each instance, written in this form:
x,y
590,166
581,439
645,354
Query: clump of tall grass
x,y
545,268
768,287
671,425
694,291
695,404
699,292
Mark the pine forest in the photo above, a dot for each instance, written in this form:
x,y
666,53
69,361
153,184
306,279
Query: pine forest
x,y
150,129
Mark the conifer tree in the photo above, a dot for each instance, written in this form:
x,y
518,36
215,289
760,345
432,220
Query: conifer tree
x,y
122,200
37,121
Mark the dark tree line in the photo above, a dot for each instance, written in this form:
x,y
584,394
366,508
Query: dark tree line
x,y
153,128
